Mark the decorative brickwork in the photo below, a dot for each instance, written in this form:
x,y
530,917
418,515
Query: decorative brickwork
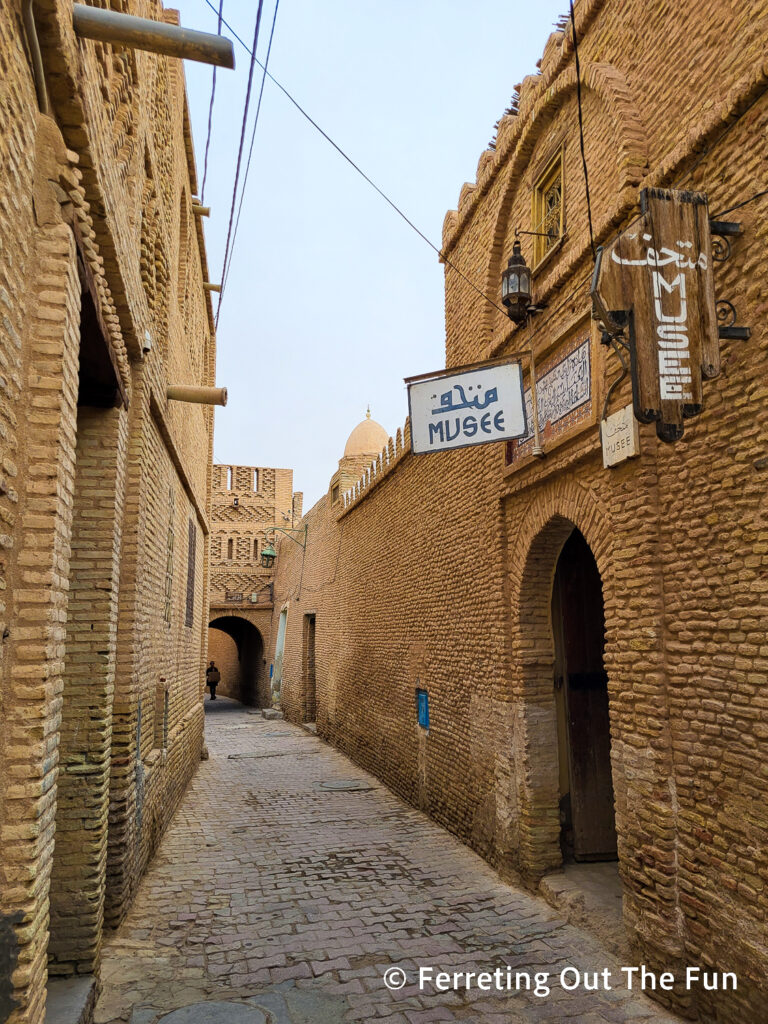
x,y
436,573
94,620
247,501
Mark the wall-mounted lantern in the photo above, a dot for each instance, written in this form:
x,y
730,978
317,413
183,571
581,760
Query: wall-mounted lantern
x,y
516,286
268,555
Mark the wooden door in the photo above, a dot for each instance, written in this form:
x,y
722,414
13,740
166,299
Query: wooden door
x,y
580,634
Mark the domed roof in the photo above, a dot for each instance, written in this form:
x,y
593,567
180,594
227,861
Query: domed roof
x,y
368,438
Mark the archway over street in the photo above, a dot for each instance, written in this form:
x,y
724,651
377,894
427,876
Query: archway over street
x,y
237,647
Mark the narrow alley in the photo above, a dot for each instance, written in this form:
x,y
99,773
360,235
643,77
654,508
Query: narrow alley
x,y
290,881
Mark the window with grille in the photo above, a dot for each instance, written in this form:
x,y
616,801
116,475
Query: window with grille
x,y
191,552
548,209
169,561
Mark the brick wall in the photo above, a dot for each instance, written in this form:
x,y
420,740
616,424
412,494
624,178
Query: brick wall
x,y
103,623
77,884
436,572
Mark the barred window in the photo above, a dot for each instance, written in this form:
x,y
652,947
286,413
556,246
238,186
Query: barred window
x,y
191,551
169,560
548,209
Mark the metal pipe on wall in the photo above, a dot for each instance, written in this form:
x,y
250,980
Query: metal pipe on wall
x,y
196,395
156,36
38,72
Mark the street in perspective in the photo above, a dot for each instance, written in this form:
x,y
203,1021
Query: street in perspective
x,y
290,882
383,512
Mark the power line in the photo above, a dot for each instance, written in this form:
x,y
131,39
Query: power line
x,y
225,271
361,172
708,149
210,111
738,206
581,130
242,143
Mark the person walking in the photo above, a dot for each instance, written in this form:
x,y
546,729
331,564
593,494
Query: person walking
x,y
212,679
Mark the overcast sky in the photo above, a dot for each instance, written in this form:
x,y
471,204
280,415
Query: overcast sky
x,y
332,299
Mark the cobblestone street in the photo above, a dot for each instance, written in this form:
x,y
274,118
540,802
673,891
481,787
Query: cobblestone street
x,y
289,881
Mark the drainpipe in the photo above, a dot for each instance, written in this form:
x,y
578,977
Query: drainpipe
x,y
38,73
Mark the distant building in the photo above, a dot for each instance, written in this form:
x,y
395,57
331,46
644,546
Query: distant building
x,y
246,501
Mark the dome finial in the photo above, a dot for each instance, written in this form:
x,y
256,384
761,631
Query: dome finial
x,y
368,413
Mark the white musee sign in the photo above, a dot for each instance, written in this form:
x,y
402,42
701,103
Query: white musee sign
x,y
466,406
620,437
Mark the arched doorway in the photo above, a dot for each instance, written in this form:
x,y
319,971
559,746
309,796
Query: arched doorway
x,y
237,647
587,819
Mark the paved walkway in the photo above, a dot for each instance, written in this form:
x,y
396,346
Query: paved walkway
x,y
290,881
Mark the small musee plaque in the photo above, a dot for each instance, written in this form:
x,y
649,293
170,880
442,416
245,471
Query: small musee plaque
x,y
620,437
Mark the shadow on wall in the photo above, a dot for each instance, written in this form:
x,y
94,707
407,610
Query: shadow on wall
x,y
237,647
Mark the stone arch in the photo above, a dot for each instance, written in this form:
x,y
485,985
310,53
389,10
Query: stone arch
x,y
237,646
532,562
614,92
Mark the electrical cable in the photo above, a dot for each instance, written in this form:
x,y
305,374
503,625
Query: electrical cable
x,y
225,271
362,173
738,206
719,139
581,130
567,298
242,143
210,112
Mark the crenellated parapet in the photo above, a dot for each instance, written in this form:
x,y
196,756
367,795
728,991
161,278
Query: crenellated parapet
x,y
381,466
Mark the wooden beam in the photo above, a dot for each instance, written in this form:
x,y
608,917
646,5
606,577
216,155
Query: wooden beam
x,y
156,36
201,211
211,287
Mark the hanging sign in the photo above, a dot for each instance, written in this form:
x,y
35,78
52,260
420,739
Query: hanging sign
x,y
466,406
655,281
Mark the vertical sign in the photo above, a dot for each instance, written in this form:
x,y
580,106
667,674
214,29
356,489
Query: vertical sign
x,y
656,280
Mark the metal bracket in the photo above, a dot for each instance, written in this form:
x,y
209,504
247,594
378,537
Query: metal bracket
x,y
726,316
279,529
722,231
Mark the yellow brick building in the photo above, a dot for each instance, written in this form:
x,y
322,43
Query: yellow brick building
x,y
248,504
591,641
104,485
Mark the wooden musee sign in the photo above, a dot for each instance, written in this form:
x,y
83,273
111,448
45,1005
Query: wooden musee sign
x,y
655,281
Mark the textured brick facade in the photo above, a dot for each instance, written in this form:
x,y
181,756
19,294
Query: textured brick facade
x,y
436,572
103,482
246,502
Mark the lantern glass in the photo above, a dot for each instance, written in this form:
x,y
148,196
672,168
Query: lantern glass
x,y
516,286
524,285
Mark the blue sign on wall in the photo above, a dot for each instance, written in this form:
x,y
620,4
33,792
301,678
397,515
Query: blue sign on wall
x,y
422,705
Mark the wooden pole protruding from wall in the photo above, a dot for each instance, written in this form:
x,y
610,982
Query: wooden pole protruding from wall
x,y
201,211
155,36
211,287
196,395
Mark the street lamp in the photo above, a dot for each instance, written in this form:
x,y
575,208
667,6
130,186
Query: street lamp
x,y
268,555
516,286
